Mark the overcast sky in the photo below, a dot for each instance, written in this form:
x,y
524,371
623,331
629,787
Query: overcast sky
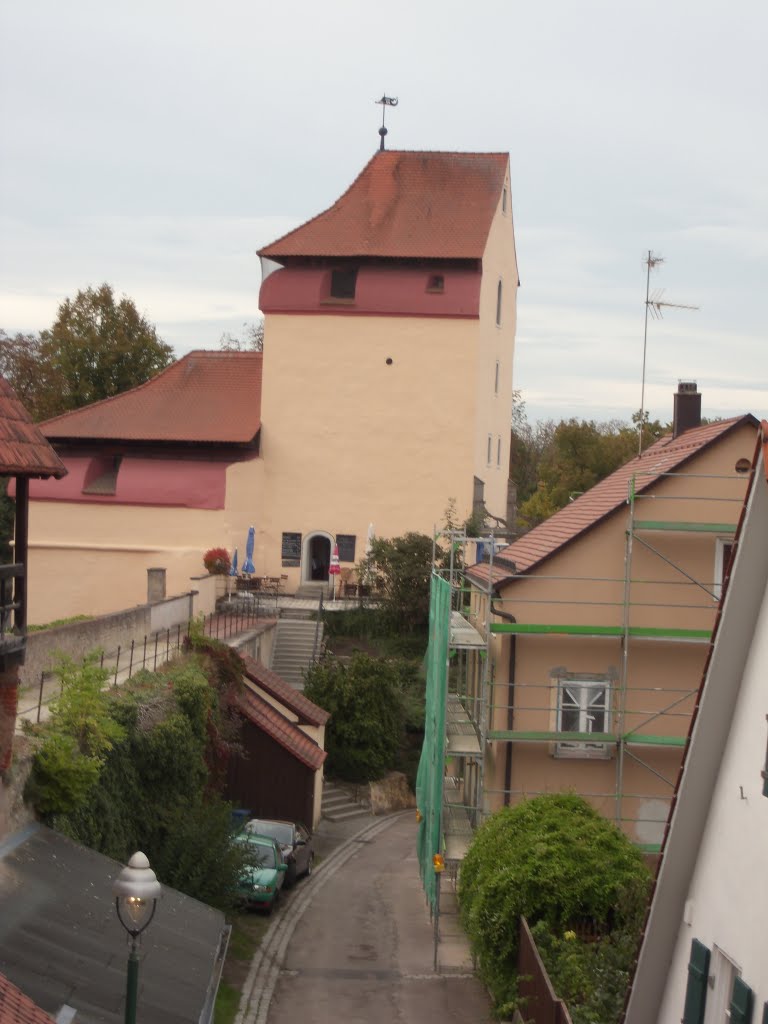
x,y
157,145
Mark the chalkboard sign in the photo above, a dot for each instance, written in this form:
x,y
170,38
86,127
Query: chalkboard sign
x,y
346,542
291,553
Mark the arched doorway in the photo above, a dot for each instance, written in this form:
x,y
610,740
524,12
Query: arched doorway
x,y
317,558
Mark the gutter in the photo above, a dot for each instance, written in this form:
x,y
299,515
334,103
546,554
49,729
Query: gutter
x,y
511,674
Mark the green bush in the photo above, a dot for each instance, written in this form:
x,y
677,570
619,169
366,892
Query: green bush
x,y
128,769
554,860
365,700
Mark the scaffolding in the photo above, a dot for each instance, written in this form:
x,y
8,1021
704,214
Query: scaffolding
x,y
638,720
658,609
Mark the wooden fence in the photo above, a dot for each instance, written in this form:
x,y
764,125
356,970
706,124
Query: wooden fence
x,y
539,1004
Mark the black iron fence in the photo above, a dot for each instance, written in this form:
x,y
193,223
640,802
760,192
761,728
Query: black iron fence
x,y
147,652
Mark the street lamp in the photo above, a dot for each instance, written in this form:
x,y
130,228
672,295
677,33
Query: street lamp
x,y
136,891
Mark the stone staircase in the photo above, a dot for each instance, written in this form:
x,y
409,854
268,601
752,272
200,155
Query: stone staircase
x,y
294,643
340,802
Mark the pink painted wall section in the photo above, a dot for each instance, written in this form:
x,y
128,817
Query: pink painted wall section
x,y
185,483
382,291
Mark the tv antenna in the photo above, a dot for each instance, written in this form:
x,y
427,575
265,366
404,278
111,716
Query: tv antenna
x,y
655,304
384,102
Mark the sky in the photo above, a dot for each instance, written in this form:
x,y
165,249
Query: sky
x,y
157,145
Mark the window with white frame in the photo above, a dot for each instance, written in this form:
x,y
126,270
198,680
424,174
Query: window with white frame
x,y
583,706
723,552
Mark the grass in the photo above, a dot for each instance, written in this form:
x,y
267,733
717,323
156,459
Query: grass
x,y
227,1002
59,622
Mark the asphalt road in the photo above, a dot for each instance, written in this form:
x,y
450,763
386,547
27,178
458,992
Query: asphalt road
x,y
357,946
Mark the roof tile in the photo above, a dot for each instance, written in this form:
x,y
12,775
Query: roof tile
x,y
205,397
24,450
288,735
304,709
16,1008
664,456
407,205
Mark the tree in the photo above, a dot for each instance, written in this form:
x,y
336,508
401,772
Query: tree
x,y
21,365
96,348
551,463
365,700
252,340
401,570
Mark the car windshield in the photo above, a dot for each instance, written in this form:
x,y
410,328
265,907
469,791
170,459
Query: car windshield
x,y
262,856
282,833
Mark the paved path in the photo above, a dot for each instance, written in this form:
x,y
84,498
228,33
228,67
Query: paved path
x,y
355,945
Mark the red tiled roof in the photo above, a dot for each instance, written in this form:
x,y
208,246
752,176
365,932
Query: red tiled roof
x,y
304,709
206,397
407,205
288,735
24,450
16,1008
664,456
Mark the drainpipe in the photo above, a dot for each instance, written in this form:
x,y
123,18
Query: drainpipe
x,y
511,689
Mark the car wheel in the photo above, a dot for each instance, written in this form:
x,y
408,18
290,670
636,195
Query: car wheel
x,y
310,864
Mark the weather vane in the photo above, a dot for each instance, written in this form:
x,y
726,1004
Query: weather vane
x,y
384,102
654,304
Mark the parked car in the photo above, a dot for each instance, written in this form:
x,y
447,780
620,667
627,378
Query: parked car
x,y
295,842
263,878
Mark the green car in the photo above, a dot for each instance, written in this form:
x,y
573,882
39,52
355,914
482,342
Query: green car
x,y
263,876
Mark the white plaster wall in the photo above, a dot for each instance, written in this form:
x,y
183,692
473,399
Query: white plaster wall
x,y
729,890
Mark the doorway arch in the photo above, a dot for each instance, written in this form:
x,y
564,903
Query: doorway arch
x,y
317,557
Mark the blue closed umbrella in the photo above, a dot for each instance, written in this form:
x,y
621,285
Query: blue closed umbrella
x,y
233,569
248,565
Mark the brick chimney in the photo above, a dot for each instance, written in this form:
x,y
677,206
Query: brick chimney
x,y
687,407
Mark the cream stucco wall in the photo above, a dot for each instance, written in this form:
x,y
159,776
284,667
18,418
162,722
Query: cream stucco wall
x,y
496,342
583,585
93,558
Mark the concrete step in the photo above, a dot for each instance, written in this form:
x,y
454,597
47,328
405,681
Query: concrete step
x,y
339,803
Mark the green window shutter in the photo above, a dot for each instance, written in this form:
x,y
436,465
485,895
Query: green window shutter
x,y
696,990
741,1003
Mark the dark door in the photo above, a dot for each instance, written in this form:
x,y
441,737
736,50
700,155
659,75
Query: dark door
x,y
319,557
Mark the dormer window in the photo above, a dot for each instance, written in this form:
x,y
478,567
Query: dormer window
x,y
343,282
436,283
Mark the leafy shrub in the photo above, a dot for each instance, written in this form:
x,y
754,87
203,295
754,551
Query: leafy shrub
x,y
400,570
216,561
591,977
555,860
128,769
365,700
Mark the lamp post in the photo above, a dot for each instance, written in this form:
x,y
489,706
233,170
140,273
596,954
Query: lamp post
x,y
136,891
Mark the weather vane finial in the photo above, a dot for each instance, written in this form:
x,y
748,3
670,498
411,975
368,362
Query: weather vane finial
x,y
385,101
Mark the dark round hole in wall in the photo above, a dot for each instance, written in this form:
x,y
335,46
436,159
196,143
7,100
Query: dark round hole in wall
x,y
389,360
743,466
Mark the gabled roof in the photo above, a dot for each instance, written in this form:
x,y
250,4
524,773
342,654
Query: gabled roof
x,y
408,205
16,1008
304,709
664,456
212,397
732,645
280,729
24,450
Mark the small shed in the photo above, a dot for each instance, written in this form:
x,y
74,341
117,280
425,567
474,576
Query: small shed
x,y
279,774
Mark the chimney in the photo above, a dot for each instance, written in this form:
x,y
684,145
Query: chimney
x,y
687,407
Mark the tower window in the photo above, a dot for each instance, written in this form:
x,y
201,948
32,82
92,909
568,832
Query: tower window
x,y
490,446
496,379
498,305
504,200
498,451
343,283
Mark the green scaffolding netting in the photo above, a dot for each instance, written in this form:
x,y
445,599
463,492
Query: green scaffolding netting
x,y
429,780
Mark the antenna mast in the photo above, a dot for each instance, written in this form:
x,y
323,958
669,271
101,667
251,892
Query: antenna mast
x,y
654,303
